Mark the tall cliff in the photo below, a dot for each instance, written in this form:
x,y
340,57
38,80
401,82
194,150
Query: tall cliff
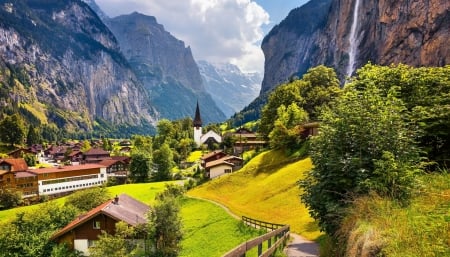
x,y
60,64
346,34
165,66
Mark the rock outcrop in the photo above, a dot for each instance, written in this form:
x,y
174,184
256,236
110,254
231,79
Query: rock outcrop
x,y
61,64
165,66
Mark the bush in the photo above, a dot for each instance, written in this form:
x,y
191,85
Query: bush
x,y
9,199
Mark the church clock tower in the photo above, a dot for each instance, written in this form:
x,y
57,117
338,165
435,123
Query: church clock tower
x,y
197,126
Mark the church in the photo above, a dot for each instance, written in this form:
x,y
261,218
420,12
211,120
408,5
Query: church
x,y
209,138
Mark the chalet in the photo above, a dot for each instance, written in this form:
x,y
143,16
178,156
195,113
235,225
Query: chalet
x,y
116,168
124,159
14,175
56,152
82,232
227,164
64,179
19,153
246,140
218,167
95,155
212,156
75,156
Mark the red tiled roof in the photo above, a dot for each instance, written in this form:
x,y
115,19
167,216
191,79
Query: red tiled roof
x,y
127,209
67,168
16,164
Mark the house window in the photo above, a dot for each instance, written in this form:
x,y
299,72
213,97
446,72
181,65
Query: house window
x,y
91,243
227,170
96,224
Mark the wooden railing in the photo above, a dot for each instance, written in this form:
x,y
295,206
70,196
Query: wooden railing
x,y
260,224
279,234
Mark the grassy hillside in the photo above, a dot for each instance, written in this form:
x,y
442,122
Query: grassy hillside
x,y
266,188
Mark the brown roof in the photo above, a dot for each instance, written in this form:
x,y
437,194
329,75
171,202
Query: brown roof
x,y
67,168
16,164
96,151
217,163
127,209
109,162
125,159
74,152
211,154
24,174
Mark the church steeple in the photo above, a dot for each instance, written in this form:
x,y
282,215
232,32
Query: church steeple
x,y
198,127
197,118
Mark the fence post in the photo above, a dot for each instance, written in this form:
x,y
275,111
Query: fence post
x,y
260,249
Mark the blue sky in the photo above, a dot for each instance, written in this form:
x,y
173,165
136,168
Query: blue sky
x,y
278,9
218,31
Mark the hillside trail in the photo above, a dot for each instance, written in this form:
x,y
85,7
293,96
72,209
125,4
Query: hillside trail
x,y
297,246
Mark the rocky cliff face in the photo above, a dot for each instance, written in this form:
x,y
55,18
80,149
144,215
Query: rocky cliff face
x,y
165,66
230,88
346,34
57,58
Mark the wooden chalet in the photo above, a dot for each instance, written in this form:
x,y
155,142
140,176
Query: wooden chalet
x,y
116,168
19,153
14,176
56,152
75,156
95,155
82,232
246,140
212,156
227,164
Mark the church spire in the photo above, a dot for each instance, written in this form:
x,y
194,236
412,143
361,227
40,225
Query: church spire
x,y
197,118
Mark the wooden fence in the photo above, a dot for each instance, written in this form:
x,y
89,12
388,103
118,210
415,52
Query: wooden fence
x,y
278,233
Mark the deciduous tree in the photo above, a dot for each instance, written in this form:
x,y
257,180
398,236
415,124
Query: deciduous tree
x,y
365,144
140,167
12,130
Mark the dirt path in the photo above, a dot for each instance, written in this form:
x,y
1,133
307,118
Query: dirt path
x,y
300,247
297,246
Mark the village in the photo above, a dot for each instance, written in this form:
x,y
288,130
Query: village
x,y
66,168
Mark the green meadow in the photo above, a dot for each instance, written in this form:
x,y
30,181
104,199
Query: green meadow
x,y
208,229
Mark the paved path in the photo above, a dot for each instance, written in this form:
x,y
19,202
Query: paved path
x,y
300,247
297,246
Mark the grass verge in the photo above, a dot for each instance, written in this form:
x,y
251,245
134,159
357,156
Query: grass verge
x,y
380,226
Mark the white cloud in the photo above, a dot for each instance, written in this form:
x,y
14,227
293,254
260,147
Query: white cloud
x,y
216,30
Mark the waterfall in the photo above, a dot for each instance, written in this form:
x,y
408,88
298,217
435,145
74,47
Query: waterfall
x,y
353,41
